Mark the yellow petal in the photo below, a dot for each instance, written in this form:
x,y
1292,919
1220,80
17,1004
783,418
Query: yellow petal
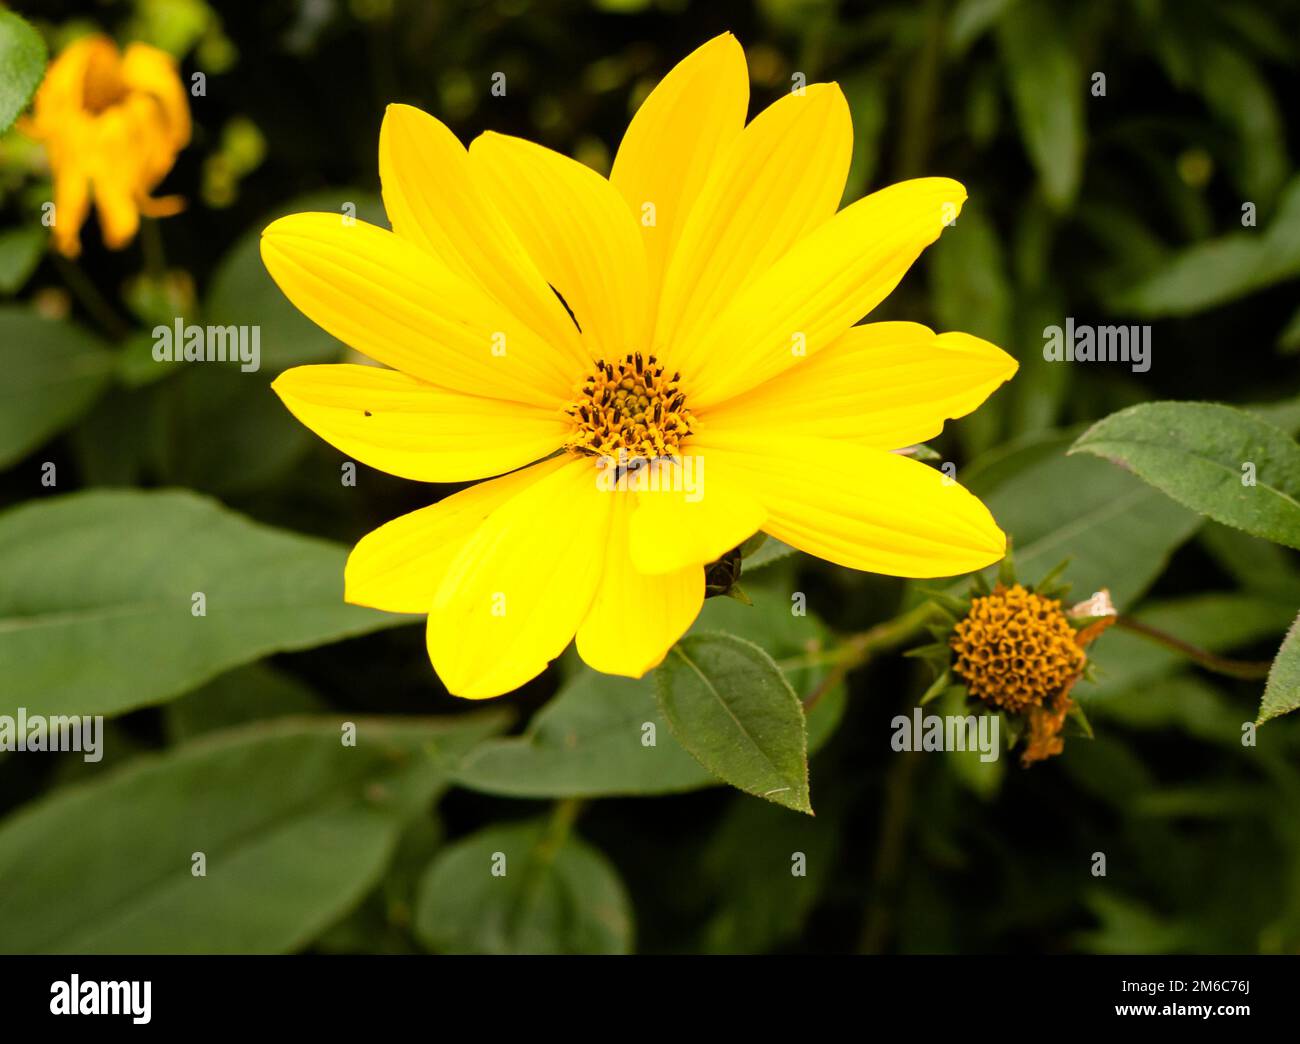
x,y
521,586
579,232
393,301
673,141
410,428
115,180
151,71
783,176
635,618
823,285
72,205
433,199
399,566
689,513
886,385
90,65
863,508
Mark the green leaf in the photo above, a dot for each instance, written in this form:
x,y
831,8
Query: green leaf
x,y
267,441
970,291
1214,459
1129,926
730,706
756,899
1239,95
969,21
769,551
1217,271
97,607
981,777
1288,341
136,365
119,441
250,455
1281,413
547,895
252,693
1259,566
867,93
20,253
791,639
294,826
968,279
22,64
1117,532
174,26
1047,86
588,740
53,372
382,922
1282,693
1183,701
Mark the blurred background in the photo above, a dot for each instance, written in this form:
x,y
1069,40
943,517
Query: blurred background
x,y
1164,192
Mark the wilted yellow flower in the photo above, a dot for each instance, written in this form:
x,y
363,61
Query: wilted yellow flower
x,y
1022,652
112,125
656,365
1016,649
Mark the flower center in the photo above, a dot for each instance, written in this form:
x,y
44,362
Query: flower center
x,y
630,410
1015,649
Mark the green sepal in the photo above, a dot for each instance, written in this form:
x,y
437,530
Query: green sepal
x,y
948,602
1012,727
1007,568
949,617
938,631
1060,592
738,593
1080,719
931,651
1048,582
937,687
923,451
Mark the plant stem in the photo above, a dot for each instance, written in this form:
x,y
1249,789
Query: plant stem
x,y
921,96
857,649
891,845
563,815
155,258
1252,670
91,299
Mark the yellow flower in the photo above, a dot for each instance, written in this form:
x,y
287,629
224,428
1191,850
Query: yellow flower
x,y
656,366
112,125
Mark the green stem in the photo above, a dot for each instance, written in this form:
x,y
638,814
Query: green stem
x,y
857,649
1252,670
155,259
564,814
91,299
891,847
922,95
